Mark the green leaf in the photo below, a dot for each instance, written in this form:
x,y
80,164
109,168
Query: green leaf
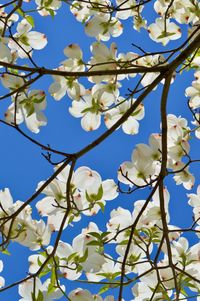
x,y
6,252
40,296
88,197
79,269
30,20
39,262
94,243
72,256
165,34
19,10
51,12
123,242
38,100
95,234
71,219
51,288
104,234
84,257
48,2
104,289
44,272
101,205
99,193
30,109
53,277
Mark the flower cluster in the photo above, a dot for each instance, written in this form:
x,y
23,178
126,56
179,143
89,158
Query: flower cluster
x,y
193,93
136,246
27,231
145,164
88,194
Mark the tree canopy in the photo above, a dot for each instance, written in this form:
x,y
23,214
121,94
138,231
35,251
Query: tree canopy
x,y
93,235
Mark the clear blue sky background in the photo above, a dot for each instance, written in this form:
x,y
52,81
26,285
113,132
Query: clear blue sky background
x,y
22,165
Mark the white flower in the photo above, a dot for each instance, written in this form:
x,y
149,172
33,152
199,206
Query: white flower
x,y
131,125
80,295
11,81
63,85
128,9
26,290
102,27
27,39
109,268
102,54
120,218
159,33
150,61
194,201
194,94
90,193
46,8
5,54
184,177
90,108
143,167
2,280
28,107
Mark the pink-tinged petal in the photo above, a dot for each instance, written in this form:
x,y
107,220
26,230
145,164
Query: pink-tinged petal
x,y
46,206
23,27
109,190
80,295
130,126
34,122
73,51
77,108
6,202
111,118
91,122
36,40
2,282
1,266
195,102
117,29
93,27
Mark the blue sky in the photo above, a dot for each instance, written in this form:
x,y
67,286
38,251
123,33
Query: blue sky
x,y
22,165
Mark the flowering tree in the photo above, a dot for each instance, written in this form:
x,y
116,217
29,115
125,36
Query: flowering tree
x,y
135,250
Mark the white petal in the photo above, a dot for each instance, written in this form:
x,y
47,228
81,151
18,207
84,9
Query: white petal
x,y
90,121
36,40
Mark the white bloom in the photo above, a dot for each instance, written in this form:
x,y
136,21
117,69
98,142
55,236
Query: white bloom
x,y
131,125
158,33
46,8
27,39
28,108
2,280
26,290
102,27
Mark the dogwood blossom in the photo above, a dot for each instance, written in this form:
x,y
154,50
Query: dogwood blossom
x,y
24,40
24,230
143,166
5,54
2,280
26,290
194,201
101,54
89,195
194,93
46,8
27,107
102,27
131,125
89,107
163,31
